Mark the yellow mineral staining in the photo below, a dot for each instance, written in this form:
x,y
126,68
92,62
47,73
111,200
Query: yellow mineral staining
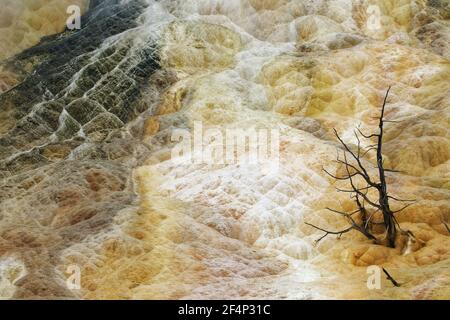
x,y
364,256
340,89
214,101
160,253
151,126
24,23
209,231
288,80
136,258
311,28
7,80
173,97
346,82
192,47
11,270
419,154
267,4
56,152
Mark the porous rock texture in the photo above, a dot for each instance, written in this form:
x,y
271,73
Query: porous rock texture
x,y
88,178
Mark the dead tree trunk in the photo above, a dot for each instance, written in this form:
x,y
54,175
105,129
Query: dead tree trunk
x,y
355,169
388,215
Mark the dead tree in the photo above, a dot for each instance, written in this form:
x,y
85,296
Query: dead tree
x,y
354,169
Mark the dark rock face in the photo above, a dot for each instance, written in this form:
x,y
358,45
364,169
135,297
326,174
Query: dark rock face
x,y
65,151
73,82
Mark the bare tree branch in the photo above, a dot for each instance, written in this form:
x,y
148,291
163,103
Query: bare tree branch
x,y
401,200
366,136
368,150
389,277
339,233
354,190
343,213
404,207
395,171
364,171
364,196
336,177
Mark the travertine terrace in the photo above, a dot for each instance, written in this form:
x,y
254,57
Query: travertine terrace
x,y
86,119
